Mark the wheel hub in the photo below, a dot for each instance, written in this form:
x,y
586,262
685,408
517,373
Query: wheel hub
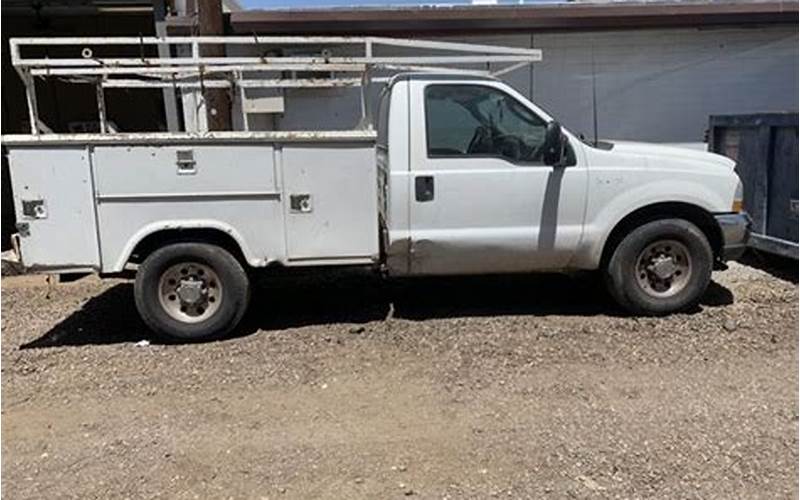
x,y
190,292
663,268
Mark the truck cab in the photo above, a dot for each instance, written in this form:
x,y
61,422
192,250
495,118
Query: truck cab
x,y
475,187
482,180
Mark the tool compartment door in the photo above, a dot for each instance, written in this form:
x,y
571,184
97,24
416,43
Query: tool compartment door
x,y
331,202
54,204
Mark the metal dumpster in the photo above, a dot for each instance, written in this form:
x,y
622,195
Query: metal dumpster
x,y
764,147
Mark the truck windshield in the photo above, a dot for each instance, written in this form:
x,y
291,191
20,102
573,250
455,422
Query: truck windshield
x,y
477,120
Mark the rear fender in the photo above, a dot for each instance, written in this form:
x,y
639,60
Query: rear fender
x,y
171,225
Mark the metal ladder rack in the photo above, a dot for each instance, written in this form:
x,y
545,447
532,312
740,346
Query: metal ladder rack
x,y
189,71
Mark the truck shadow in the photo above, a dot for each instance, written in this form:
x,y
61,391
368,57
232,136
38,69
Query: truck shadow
x,y
782,268
111,317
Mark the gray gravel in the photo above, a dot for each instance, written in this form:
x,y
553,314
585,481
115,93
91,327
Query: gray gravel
x,y
469,388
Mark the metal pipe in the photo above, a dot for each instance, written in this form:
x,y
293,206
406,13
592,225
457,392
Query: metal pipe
x,y
184,61
277,83
182,72
30,97
101,106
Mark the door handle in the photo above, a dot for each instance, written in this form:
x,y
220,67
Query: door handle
x,y
423,188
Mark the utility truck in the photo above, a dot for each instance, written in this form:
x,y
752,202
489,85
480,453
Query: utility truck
x,y
460,175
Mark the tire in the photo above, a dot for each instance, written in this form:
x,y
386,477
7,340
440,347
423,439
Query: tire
x,y
191,291
660,267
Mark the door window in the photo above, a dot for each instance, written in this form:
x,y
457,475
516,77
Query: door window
x,y
481,121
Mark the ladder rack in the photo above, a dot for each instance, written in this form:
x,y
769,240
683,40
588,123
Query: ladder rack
x,y
188,70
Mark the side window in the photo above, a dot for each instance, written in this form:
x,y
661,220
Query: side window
x,y
480,121
450,125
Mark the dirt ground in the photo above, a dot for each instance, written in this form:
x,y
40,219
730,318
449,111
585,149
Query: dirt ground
x,y
525,387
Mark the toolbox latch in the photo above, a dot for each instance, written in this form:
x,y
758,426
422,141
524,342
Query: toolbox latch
x,y
184,158
300,203
34,209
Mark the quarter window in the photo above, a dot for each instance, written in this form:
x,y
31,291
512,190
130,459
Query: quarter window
x,y
481,121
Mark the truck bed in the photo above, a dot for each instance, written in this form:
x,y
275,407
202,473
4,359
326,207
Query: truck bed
x,y
84,201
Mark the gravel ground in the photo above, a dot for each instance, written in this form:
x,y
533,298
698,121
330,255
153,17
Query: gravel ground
x,y
523,387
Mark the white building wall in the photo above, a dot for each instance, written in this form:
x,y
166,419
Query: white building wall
x,y
662,85
651,85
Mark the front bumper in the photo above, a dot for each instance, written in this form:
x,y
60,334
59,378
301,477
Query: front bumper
x,y
735,230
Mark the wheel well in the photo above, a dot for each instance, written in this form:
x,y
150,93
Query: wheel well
x,y
668,210
158,239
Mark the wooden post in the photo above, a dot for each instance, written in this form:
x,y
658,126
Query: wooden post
x,y
218,103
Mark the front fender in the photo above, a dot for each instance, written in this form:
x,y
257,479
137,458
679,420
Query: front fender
x,y
605,213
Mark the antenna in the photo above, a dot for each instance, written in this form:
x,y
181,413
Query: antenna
x,y
594,98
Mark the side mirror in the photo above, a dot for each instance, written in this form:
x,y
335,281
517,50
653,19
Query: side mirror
x,y
554,142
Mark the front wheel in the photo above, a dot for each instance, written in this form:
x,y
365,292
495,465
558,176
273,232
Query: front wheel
x,y
191,291
660,267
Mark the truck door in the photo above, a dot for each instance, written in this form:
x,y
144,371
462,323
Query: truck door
x,y
482,199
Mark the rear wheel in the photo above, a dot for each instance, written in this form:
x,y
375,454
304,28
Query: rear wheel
x,y
191,291
660,267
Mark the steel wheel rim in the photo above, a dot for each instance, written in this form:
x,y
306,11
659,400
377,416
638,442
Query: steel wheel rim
x,y
190,292
664,268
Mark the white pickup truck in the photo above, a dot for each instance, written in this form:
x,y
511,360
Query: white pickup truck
x,y
463,176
